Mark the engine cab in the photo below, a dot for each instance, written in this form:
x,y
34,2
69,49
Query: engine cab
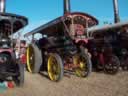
x,y
9,66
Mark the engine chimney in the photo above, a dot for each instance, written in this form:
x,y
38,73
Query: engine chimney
x,y
2,6
66,6
116,11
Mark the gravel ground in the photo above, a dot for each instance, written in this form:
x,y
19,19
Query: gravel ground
x,y
97,84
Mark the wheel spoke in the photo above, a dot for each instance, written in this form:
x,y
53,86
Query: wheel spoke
x,y
54,68
112,66
81,63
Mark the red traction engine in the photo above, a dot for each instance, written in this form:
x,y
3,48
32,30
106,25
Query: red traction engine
x,y
10,67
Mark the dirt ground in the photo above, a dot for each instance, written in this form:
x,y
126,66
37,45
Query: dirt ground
x,y
97,84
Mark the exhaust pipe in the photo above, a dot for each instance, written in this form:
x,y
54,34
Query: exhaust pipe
x,y
66,6
2,6
116,11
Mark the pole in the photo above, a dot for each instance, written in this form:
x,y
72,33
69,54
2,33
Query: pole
x,y
116,11
2,6
66,6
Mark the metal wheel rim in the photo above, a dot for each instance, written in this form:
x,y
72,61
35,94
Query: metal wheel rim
x,y
53,68
81,64
30,58
112,66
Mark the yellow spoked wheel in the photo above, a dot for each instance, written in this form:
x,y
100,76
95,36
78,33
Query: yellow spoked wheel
x,y
81,65
30,58
55,67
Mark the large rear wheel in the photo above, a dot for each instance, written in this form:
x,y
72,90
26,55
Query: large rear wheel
x,y
55,67
34,58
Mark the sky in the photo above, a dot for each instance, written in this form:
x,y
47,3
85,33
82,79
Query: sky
x,y
39,12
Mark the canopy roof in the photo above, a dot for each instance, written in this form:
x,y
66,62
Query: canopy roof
x,y
118,27
56,25
11,23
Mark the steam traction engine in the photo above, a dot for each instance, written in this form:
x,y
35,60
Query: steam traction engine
x,y
103,51
106,46
62,46
10,67
123,54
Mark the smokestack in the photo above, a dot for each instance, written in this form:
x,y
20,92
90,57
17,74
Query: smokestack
x,y
2,5
116,11
66,6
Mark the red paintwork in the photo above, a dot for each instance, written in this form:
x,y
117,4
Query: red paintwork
x,y
101,58
81,40
6,50
23,59
80,35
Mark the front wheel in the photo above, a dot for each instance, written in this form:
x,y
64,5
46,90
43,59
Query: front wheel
x,y
83,64
55,67
112,65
